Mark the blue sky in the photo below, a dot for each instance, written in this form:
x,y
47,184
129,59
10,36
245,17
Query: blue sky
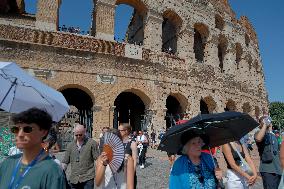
x,y
266,17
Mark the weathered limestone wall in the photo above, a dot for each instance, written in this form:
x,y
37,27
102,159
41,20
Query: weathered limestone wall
x,y
75,61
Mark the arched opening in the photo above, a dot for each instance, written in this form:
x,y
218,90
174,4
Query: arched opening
x,y
18,7
211,104
257,112
249,61
247,40
219,22
222,48
256,66
174,111
80,112
129,21
203,107
129,108
239,53
246,107
201,33
170,29
29,6
78,21
230,106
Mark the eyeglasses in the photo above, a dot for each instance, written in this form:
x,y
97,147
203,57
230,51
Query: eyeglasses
x,y
76,135
198,173
121,130
26,129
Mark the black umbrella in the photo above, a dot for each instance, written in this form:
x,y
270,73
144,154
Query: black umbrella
x,y
221,128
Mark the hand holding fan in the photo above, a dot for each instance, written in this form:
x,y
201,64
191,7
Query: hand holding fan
x,y
114,149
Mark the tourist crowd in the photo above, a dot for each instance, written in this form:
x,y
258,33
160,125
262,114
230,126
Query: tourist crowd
x,y
34,156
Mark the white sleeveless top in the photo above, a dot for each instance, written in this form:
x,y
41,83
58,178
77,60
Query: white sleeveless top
x,y
113,180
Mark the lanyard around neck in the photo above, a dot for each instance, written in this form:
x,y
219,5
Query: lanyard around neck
x,y
30,165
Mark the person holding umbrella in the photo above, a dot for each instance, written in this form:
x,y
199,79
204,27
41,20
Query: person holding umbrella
x,y
194,169
238,177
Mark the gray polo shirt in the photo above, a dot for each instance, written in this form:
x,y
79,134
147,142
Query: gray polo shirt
x,y
274,166
82,160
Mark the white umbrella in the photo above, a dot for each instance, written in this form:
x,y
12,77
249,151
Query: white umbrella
x,y
19,91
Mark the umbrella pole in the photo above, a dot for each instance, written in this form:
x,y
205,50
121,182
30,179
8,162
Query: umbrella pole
x,y
220,182
215,165
14,83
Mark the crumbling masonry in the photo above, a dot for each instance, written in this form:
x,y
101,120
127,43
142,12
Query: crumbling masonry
x,y
179,57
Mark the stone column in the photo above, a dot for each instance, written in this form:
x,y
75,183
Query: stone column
x,y
103,21
47,15
153,31
229,64
211,51
100,119
158,119
185,43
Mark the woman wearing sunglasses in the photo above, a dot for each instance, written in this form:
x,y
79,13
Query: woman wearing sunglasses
x,y
20,171
194,169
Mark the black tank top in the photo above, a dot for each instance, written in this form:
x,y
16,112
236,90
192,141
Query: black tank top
x,y
235,156
127,147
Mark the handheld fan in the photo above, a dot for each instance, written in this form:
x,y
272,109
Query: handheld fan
x,y
114,149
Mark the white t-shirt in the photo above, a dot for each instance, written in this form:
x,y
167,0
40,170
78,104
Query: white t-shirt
x,y
113,180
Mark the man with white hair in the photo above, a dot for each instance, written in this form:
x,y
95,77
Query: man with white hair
x,y
81,153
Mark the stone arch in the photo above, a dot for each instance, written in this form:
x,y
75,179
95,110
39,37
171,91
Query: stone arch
x,y
222,48
182,100
144,97
13,7
201,33
82,13
211,104
137,4
81,110
135,30
81,87
219,22
230,105
246,107
176,105
247,39
239,53
130,106
171,25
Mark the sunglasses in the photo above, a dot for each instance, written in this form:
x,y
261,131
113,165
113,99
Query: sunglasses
x,y
78,135
26,129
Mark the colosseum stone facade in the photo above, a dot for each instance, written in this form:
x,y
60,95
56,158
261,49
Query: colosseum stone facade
x,y
181,57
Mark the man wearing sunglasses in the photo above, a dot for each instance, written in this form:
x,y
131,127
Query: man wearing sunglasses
x,y
20,171
81,154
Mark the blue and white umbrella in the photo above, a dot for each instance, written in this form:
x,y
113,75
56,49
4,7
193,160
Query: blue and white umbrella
x,y
19,91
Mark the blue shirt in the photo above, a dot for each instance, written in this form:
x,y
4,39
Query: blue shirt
x,y
183,174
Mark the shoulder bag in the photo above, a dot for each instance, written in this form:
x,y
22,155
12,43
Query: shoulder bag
x,y
244,165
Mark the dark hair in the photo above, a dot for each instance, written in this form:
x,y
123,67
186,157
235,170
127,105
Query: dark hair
x,y
34,115
192,134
